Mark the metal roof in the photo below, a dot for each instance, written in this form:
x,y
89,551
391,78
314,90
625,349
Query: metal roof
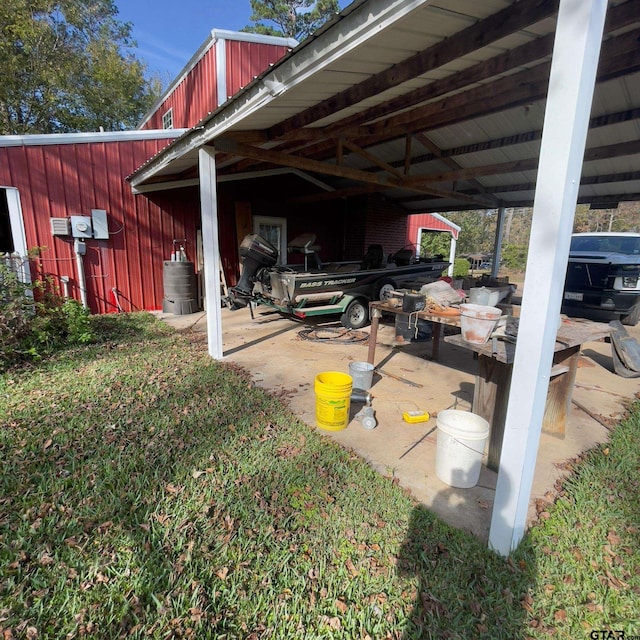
x,y
437,104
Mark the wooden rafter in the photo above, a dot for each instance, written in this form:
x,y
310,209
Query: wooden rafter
x,y
227,145
518,89
372,158
527,164
450,162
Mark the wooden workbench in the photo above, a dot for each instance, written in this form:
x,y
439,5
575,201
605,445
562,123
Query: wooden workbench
x,y
493,380
376,309
495,364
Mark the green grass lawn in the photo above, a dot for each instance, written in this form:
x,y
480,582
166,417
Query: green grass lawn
x,y
150,492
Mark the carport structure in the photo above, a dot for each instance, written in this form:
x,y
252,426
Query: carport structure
x,y
445,105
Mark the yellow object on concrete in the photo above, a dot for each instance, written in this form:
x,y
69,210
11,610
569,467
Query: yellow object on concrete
x,y
333,398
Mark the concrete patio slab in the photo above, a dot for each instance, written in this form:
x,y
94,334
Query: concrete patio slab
x,y
282,361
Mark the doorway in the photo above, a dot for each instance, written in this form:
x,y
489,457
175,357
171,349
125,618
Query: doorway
x,y
273,230
13,241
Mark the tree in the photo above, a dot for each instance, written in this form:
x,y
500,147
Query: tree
x,y
290,18
65,67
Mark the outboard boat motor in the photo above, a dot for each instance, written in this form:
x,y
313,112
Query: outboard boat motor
x,y
255,254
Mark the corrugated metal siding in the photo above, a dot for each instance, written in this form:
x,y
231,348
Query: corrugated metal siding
x,y
426,221
193,98
246,60
63,180
197,95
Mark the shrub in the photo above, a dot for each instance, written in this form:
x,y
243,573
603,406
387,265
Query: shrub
x,y
460,268
17,309
35,321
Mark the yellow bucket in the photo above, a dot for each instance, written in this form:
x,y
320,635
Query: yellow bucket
x,y
333,396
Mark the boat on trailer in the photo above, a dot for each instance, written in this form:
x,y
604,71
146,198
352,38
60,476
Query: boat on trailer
x,y
344,288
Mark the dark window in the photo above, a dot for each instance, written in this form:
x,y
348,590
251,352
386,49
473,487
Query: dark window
x,y
6,239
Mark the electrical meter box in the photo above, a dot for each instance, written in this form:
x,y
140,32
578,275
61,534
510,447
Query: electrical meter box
x,y
81,227
99,222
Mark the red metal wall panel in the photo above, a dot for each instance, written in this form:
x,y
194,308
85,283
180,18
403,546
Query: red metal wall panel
x,y
197,94
427,221
72,179
246,60
193,98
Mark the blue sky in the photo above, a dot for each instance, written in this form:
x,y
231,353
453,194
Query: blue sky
x,y
169,33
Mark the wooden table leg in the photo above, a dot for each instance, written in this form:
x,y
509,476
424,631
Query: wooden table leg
x,y
436,330
373,335
560,391
490,398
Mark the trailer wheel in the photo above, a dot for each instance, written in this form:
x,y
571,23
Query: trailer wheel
x,y
356,315
383,288
633,317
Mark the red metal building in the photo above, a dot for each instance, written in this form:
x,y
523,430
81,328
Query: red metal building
x,y
51,178
54,186
45,180
224,63
419,222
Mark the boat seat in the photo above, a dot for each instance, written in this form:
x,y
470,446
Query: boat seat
x,y
374,258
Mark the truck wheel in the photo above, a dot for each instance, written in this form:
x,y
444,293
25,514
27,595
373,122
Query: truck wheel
x,y
356,315
383,288
633,317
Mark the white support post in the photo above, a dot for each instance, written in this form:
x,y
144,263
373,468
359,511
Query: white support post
x,y
572,79
452,256
211,249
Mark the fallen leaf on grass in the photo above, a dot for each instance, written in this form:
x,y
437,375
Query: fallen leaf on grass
x,y
46,559
613,538
560,615
351,568
614,582
341,606
332,623
173,489
431,604
222,573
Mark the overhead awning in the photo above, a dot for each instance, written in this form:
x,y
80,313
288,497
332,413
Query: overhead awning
x,y
437,105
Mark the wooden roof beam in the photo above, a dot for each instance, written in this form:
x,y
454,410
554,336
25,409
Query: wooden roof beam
x,y
372,158
511,91
528,164
227,145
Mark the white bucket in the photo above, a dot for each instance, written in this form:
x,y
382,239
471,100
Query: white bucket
x,y
362,374
460,446
477,322
484,296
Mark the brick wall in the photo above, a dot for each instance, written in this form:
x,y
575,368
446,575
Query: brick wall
x,y
386,224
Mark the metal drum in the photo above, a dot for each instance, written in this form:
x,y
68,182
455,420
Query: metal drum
x,y
180,288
